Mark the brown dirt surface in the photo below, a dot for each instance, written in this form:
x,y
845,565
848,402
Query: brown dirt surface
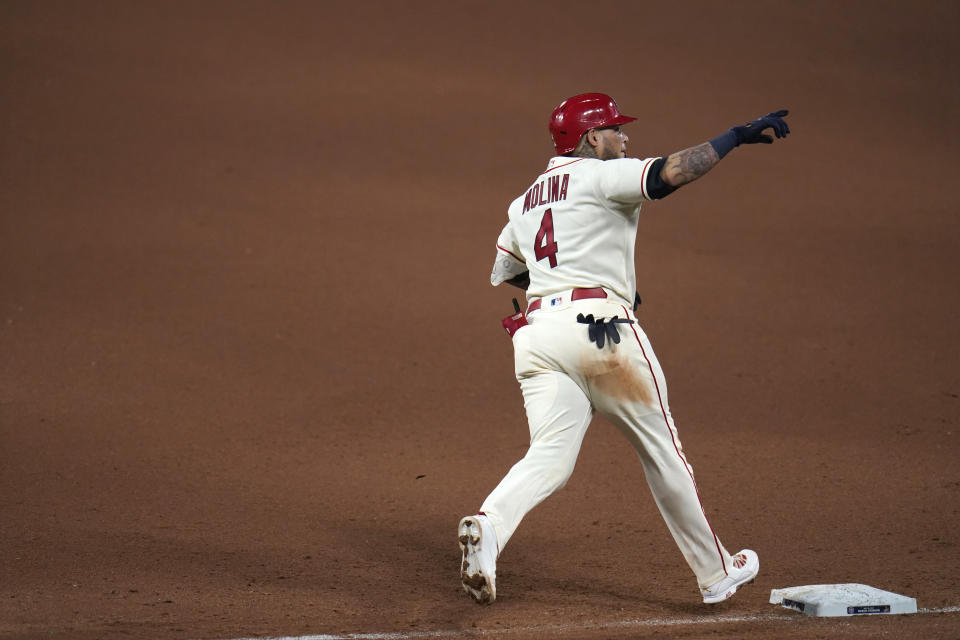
x,y
252,372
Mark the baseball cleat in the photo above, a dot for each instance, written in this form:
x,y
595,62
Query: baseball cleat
x,y
478,570
746,565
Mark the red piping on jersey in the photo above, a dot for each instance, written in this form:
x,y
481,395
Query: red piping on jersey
x,y
673,438
643,180
512,254
560,166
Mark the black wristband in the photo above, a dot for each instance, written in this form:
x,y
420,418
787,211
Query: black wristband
x,y
724,144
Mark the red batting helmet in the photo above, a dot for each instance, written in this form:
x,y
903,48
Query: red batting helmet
x,y
577,115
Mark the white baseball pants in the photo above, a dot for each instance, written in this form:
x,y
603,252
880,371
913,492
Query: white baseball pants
x,y
564,377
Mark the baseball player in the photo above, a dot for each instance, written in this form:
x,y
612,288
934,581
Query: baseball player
x,y
578,347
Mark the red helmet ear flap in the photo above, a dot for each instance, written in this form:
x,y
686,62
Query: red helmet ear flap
x,y
575,116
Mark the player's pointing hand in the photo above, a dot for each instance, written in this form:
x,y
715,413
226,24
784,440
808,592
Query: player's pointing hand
x,y
752,132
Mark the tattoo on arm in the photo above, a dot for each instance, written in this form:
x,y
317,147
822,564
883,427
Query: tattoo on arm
x,y
686,166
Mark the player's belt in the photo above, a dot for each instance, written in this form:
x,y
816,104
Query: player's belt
x,y
576,294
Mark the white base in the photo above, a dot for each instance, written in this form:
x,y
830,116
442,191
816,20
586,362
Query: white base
x,y
842,600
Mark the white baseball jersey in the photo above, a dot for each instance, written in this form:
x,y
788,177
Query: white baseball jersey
x,y
575,227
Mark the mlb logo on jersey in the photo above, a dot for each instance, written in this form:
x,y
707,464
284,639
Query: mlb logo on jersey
x,y
553,303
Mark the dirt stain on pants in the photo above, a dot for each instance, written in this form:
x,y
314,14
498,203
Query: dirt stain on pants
x,y
615,377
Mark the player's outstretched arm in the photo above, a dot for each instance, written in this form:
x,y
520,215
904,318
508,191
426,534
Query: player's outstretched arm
x,y
683,167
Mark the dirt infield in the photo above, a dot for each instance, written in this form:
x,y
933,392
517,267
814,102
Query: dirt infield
x,y
252,371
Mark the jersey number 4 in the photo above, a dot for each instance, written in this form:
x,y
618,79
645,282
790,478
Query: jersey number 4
x,y
545,246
